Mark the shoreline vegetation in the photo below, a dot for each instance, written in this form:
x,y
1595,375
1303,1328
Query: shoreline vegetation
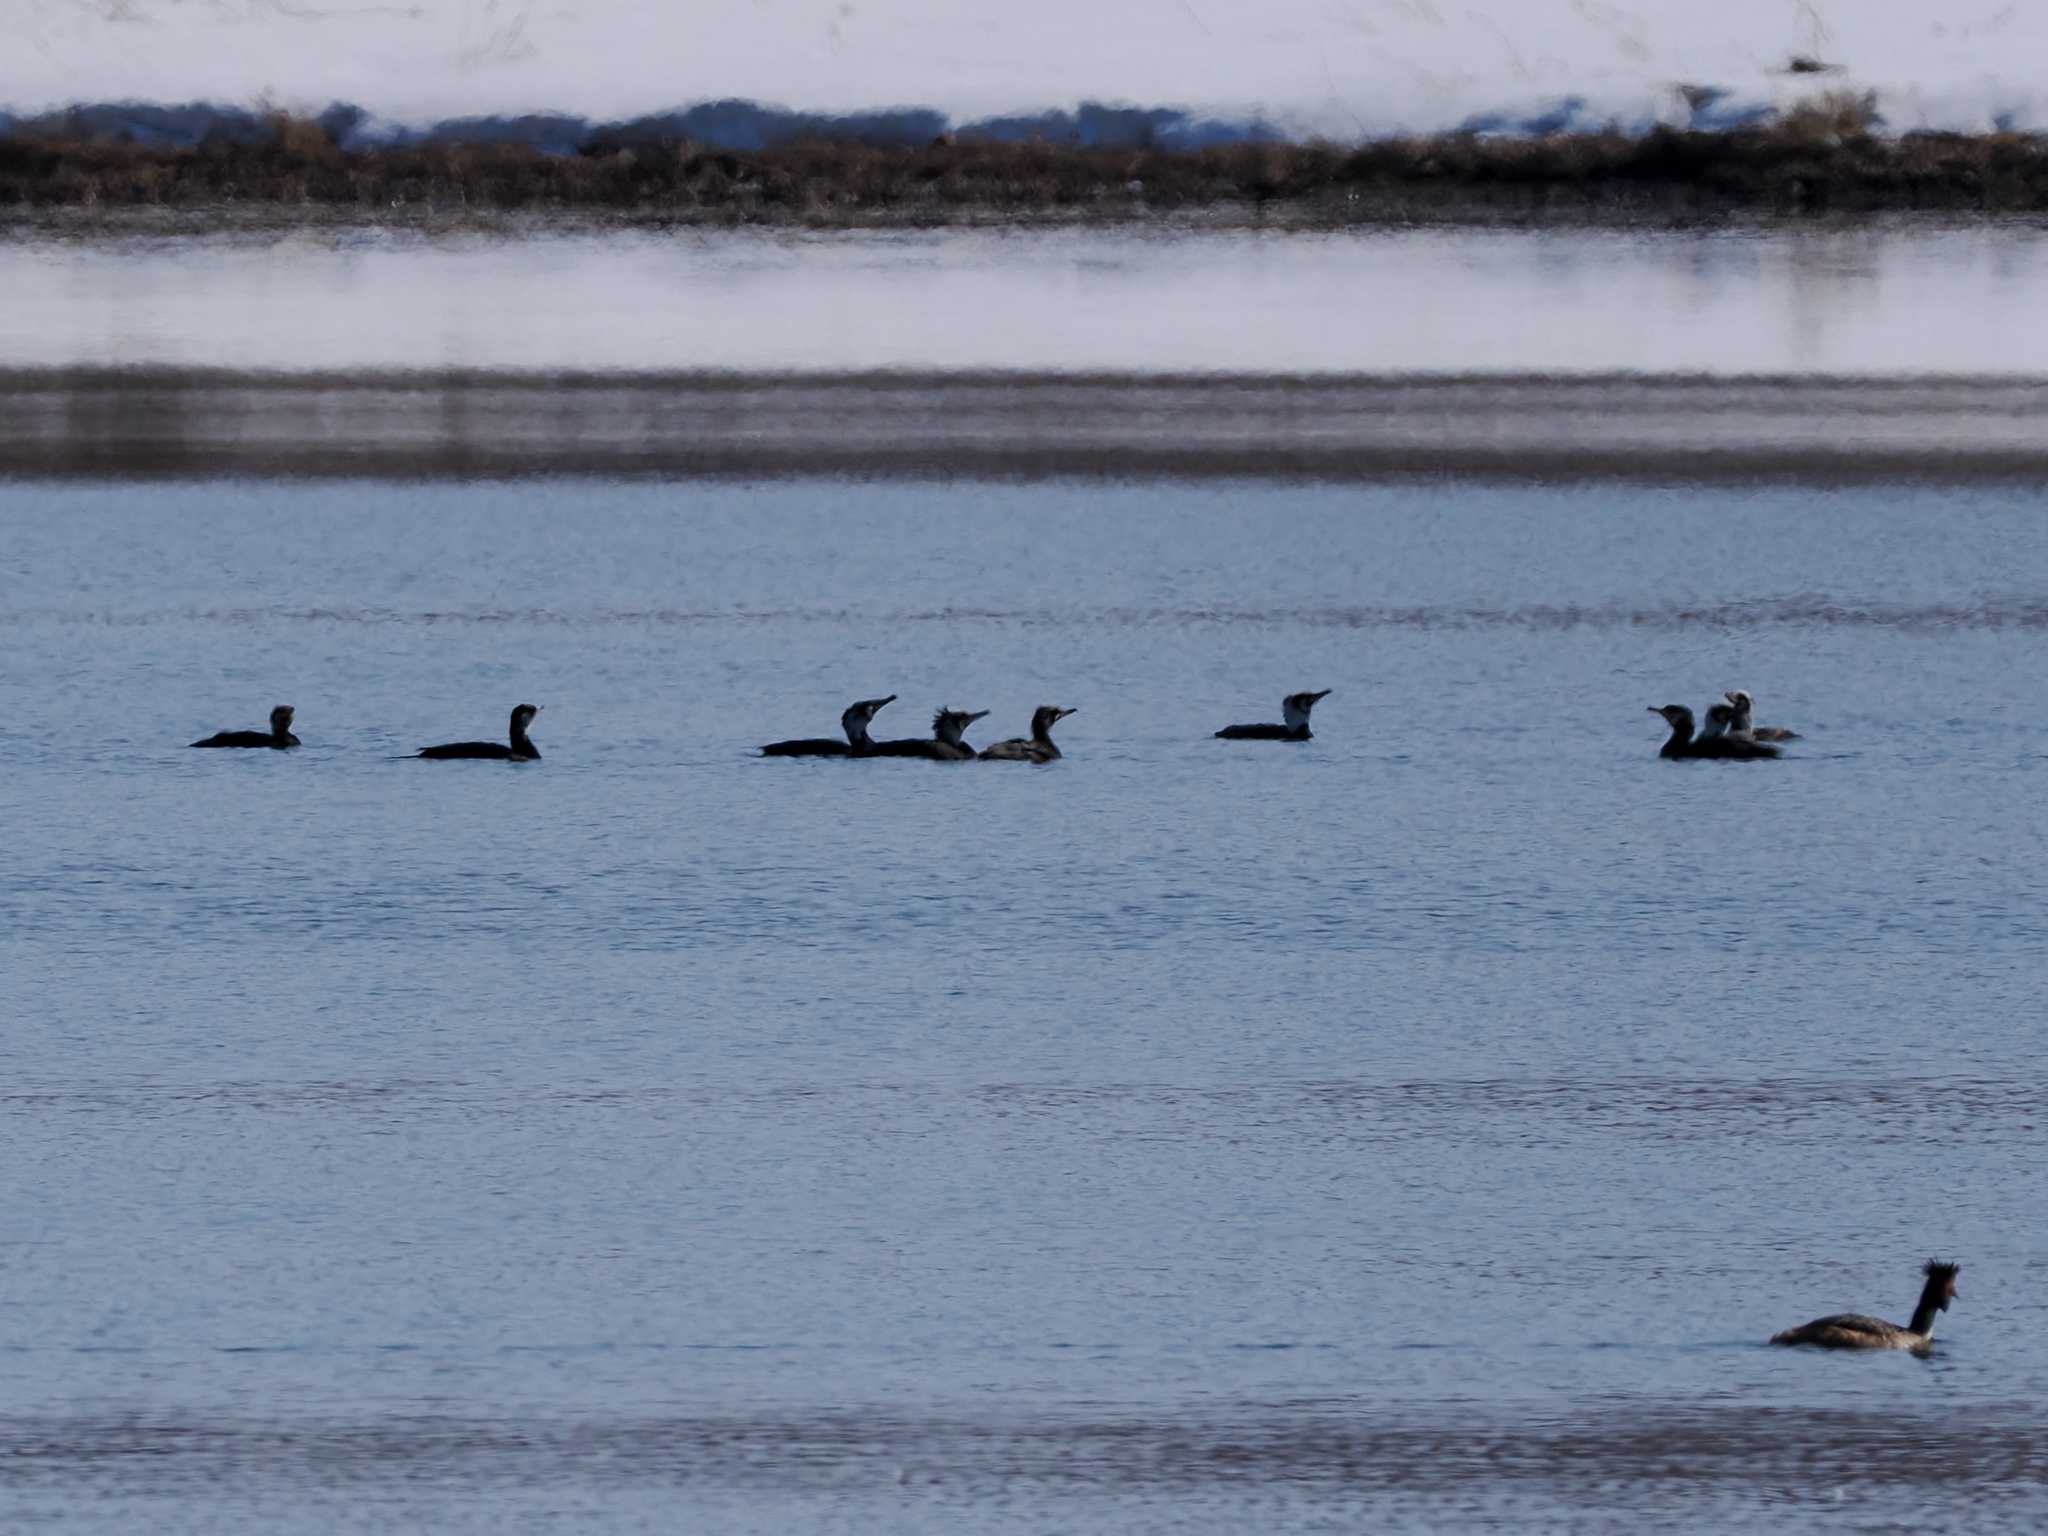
x,y
1824,158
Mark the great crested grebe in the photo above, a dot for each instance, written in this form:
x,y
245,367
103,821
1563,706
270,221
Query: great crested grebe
x,y
1852,1330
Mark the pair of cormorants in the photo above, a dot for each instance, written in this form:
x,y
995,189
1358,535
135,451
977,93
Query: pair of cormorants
x,y
947,743
520,749
1729,735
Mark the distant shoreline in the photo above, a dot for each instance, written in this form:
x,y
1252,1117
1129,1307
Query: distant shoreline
x,y
1822,160
164,423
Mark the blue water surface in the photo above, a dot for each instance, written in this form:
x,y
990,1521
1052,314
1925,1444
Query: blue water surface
x,y
1465,1066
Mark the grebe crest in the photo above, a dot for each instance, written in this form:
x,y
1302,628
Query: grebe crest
x,y
1941,1280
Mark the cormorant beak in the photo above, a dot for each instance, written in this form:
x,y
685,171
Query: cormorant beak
x,y
1062,714
978,714
1317,698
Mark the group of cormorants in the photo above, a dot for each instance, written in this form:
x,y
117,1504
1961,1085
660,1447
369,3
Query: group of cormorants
x,y
1729,735
520,749
947,742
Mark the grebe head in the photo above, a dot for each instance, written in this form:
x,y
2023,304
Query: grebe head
x,y
1941,1279
281,718
1295,707
861,712
1045,717
951,724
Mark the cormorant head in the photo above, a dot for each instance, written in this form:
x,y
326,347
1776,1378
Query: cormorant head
x,y
1045,717
1295,707
1677,716
861,712
522,717
1719,718
281,719
951,724
1941,1279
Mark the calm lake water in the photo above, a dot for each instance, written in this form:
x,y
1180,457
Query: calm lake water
x,y
1872,298
1421,1127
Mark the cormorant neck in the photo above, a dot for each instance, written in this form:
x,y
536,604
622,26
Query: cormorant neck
x,y
522,746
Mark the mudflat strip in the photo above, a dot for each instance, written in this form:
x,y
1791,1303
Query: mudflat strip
x,y
175,422
1763,1453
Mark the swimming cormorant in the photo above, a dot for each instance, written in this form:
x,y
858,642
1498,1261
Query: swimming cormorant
x,y
1719,717
279,735
854,720
945,744
1293,709
1039,746
522,749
